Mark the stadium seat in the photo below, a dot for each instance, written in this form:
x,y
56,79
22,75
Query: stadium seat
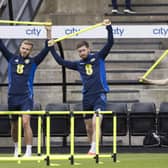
x,y
4,123
107,125
142,119
59,123
80,129
163,119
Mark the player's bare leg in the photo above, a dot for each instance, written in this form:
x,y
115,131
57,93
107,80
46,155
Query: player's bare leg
x,y
14,134
89,130
92,150
27,134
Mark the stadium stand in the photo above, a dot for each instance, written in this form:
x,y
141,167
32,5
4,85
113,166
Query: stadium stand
x,y
128,59
3,5
143,10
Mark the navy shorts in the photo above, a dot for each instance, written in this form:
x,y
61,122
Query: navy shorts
x,y
94,102
19,103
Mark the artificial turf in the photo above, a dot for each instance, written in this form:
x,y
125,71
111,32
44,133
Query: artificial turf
x,y
145,160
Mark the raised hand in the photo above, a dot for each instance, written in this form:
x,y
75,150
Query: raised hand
x,y
106,22
48,30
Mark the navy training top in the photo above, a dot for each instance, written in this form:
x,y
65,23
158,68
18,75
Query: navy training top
x,y
92,69
21,70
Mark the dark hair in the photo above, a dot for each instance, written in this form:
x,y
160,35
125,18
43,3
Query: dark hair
x,y
82,43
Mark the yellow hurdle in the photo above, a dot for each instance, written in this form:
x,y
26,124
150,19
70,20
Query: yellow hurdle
x,y
154,65
25,23
71,156
75,33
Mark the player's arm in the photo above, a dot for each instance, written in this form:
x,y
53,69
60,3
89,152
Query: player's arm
x,y
155,82
40,57
68,64
6,53
110,40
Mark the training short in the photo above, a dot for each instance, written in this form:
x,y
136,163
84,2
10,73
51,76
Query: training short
x,y
19,103
94,102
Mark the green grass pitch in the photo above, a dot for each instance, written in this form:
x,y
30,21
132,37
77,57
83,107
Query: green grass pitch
x,y
147,160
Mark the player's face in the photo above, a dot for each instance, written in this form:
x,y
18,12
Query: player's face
x,y
83,52
25,50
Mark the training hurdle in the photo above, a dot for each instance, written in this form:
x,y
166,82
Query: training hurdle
x,y
39,156
72,155
47,156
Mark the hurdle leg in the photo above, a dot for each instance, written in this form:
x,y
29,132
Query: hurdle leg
x,y
97,136
48,140
39,136
19,137
72,138
114,138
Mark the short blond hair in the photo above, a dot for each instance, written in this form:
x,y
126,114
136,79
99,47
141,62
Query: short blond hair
x,y
28,42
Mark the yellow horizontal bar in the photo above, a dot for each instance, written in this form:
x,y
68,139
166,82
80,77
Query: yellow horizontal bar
x,y
35,158
86,156
25,23
59,157
22,112
91,112
53,157
77,156
76,33
58,112
51,112
105,112
105,155
77,112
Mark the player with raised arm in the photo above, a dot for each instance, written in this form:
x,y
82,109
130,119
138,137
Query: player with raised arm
x,y
92,71
21,71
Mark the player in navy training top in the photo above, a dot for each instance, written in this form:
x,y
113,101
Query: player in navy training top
x,y
21,70
92,71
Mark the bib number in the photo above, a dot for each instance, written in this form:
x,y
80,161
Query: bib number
x,y
20,68
89,69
